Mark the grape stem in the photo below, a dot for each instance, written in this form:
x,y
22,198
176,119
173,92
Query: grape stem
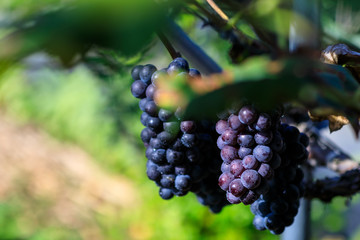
x,y
326,189
218,10
170,48
191,51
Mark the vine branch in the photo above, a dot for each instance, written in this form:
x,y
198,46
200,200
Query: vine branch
x,y
170,48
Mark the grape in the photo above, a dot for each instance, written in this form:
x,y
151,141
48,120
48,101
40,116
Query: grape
x,y
250,162
167,180
151,108
232,199
135,72
225,167
262,153
166,169
158,156
166,193
234,123
142,104
150,91
153,173
178,65
244,151
250,179
166,137
259,224
193,155
229,136
221,126
164,115
225,180
236,188
236,167
182,182
156,143
247,115
171,127
153,123
138,89
147,134
188,126
194,73
220,143
146,73
174,157
181,170
263,123
156,75
245,140
228,153
266,171
263,138
249,198
188,140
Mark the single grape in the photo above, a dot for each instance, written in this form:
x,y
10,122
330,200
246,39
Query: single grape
x,y
138,89
135,72
166,193
262,153
244,151
221,126
153,173
194,72
174,157
188,126
158,156
182,182
232,199
245,140
188,140
263,123
250,179
228,153
265,171
247,115
237,188
164,114
150,91
151,108
236,167
263,138
229,136
225,180
146,73
250,162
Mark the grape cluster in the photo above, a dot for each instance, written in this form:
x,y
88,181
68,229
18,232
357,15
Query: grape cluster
x,y
182,154
277,208
250,145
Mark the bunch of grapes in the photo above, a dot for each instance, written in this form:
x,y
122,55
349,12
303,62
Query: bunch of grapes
x,y
250,144
182,154
277,209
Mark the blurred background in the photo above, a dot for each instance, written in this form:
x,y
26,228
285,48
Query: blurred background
x,y
72,164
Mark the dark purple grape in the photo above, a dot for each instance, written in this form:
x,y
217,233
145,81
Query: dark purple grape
x,y
277,143
188,126
228,153
164,114
178,65
232,199
291,134
167,180
146,134
153,173
151,108
225,180
244,151
245,140
220,143
262,153
183,182
177,145
138,89
250,179
146,73
194,72
279,206
181,170
148,152
158,156
263,138
236,188
221,126
229,136
225,167
236,167
249,198
235,124
291,193
250,162
154,123
188,140
263,123
166,193
247,115
142,104
150,91
166,137
135,72
265,171
174,157
156,143
166,169
272,221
